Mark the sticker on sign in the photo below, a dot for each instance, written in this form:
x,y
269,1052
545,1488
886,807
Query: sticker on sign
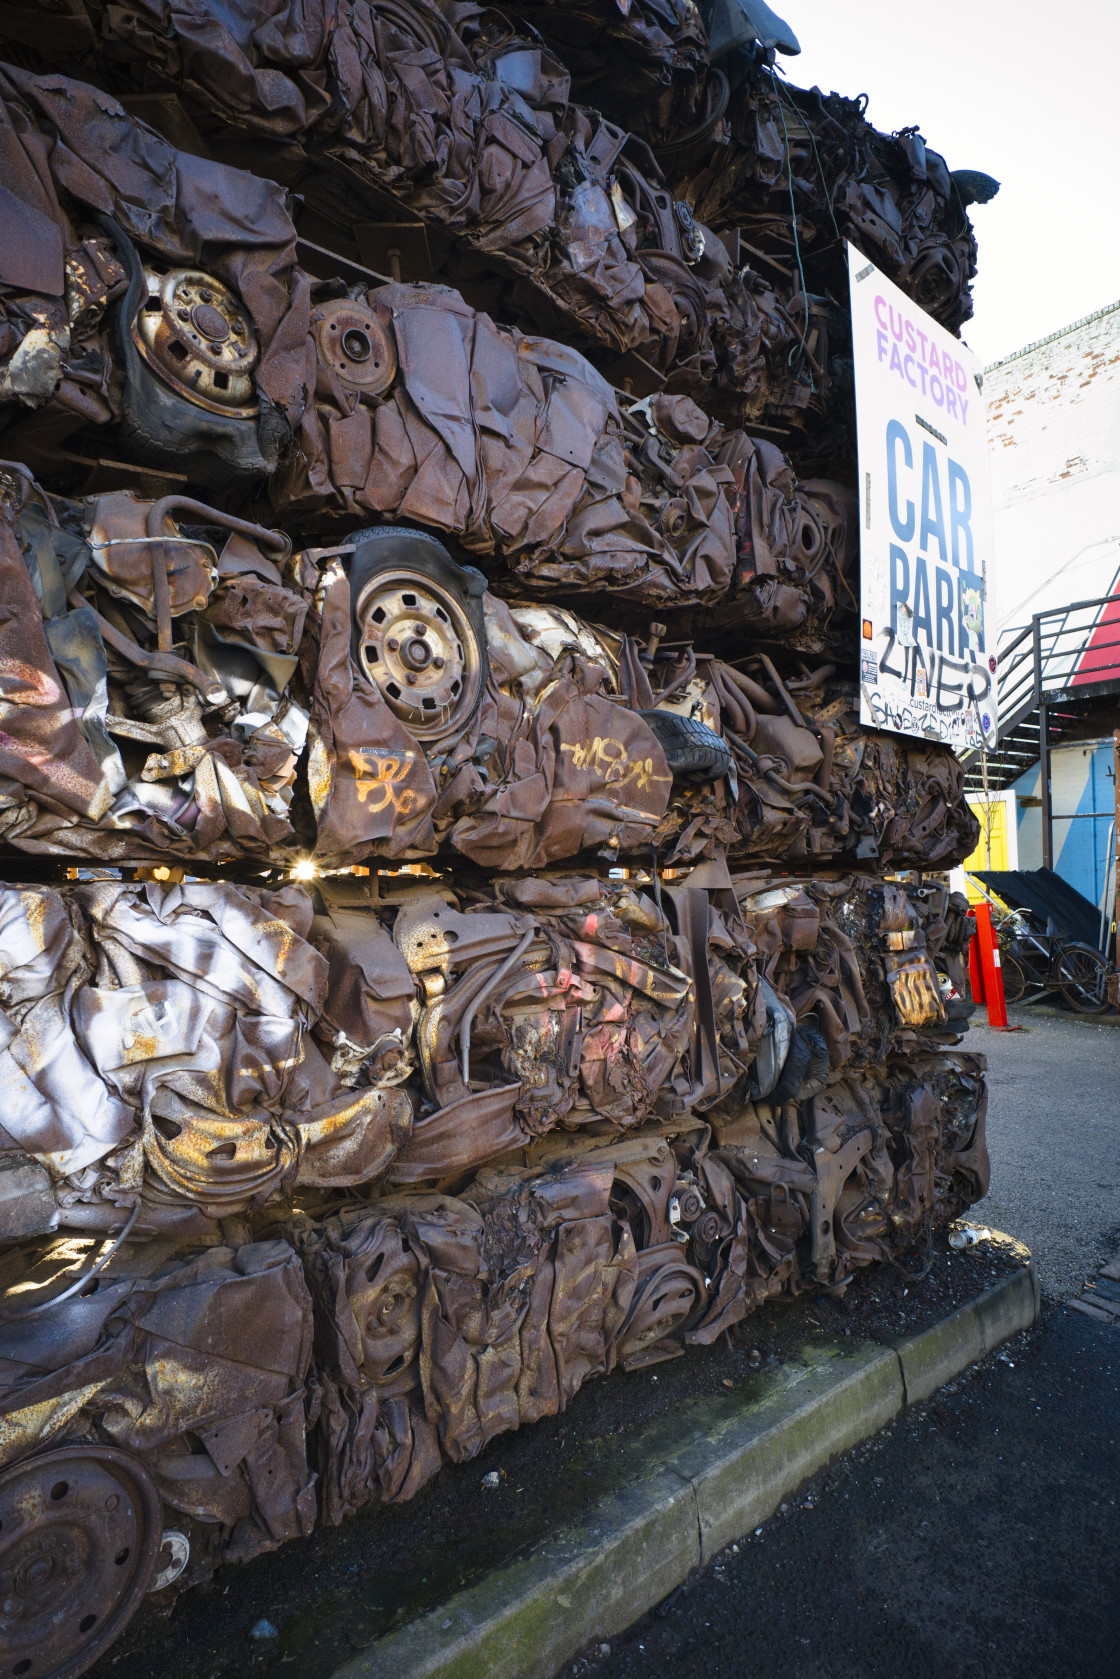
x,y
927,539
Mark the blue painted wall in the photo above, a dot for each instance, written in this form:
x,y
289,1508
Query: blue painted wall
x,y
1081,782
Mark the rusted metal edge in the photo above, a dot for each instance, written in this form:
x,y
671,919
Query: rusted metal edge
x,y
593,1579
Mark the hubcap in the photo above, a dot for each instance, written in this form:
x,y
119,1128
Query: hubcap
x,y
210,322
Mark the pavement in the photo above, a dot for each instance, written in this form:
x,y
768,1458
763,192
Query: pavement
x,y
1054,1138
976,1537
979,1534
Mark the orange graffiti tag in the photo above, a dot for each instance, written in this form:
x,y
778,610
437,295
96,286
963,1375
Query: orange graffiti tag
x,y
378,782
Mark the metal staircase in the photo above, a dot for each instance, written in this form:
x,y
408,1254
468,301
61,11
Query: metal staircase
x,y
1059,682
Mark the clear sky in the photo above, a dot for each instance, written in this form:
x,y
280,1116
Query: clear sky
x,y
1027,92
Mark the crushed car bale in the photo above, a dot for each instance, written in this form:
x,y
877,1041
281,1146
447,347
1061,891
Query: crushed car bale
x,y
447,951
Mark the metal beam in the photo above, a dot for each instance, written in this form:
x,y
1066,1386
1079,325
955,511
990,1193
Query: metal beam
x,y
1044,787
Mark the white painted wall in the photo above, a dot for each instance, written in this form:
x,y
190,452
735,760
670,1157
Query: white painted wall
x,y
1054,441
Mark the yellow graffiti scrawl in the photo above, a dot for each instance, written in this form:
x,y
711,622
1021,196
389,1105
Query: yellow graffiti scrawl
x,y
609,760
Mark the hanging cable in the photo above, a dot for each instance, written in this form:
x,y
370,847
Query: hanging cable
x,y
816,156
87,1276
796,240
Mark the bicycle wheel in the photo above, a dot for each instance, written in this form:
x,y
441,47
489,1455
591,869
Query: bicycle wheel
x,y
1083,976
1014,977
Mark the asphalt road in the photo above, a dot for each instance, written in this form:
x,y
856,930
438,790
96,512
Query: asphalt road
x,y
1054,1138
979,1536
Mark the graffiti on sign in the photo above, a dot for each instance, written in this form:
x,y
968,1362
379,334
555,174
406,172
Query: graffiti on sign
x,y
925,666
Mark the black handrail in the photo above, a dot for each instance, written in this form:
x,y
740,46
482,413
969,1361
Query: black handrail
x,y
1026,661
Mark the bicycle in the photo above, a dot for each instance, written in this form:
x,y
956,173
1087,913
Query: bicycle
x,y
1031,958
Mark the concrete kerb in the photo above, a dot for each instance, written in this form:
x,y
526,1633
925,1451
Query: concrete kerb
x,y
528,1617
1025,1012
930,1359
740,1473
594,1578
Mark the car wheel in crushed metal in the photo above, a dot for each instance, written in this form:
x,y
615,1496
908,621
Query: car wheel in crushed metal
x,y
199,339
419,631
80,1532
670,1295
161,424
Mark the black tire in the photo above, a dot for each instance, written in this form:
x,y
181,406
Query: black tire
x,y
691,749
161,428
1083,975
789,1085
1014,978
807,1064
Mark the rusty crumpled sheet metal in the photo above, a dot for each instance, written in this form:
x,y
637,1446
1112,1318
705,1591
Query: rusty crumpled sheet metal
x,y
187,209
483,144
116,745
815,783
517,447
463,129
514,445
443,1321
162,1037
159,1362
561,1232
472,132
167,693
209,1048
677,296
576,251
890,194
653,54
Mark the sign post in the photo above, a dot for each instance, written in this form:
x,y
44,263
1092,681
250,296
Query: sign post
x,y
927,643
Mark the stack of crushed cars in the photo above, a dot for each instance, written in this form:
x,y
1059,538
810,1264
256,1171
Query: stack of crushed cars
x,y
456,938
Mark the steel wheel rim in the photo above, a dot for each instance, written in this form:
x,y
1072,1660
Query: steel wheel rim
x,y
80,1533
427,625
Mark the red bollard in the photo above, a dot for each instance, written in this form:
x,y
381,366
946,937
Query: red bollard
x,y
984,970
975,972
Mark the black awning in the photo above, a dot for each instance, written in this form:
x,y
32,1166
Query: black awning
x,y
1049,897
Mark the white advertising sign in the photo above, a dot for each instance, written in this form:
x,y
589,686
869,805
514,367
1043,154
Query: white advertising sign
x,y
927,631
